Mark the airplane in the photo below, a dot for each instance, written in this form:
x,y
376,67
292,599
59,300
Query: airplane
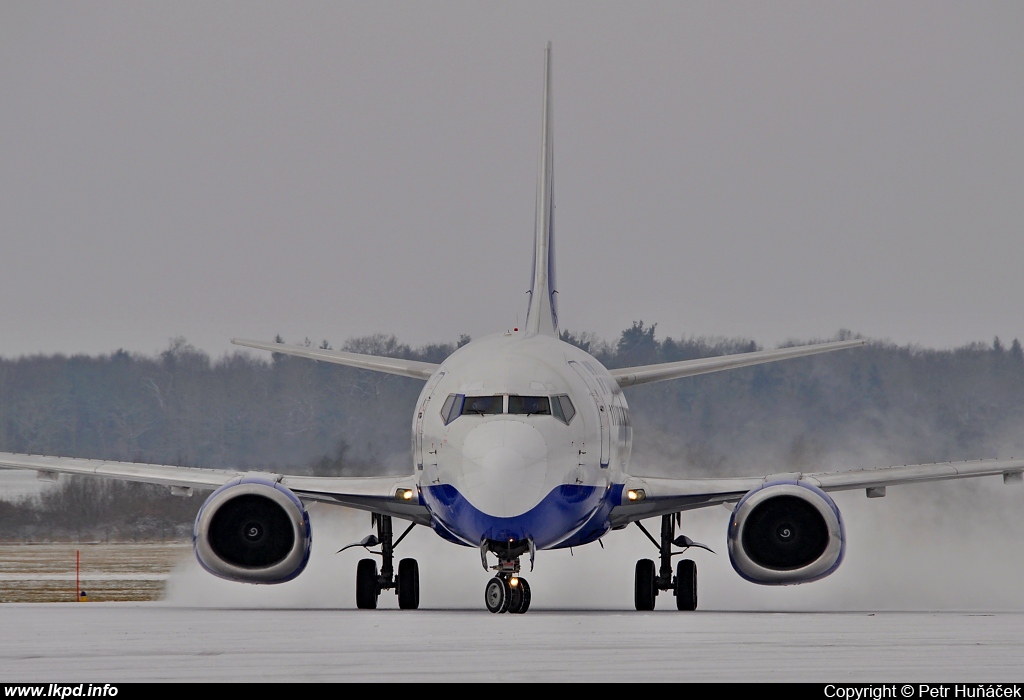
x,y
521,443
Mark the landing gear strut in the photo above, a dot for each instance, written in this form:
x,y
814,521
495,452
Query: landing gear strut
x,y
648,583
507,591
370,582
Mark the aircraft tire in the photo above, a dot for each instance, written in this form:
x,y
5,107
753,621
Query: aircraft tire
x,y
686,585
515,598
408,584
497,594
367,588
524,598
644,591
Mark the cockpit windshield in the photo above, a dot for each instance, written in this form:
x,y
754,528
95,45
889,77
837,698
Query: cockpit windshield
x,y
461,405
529,405
483,405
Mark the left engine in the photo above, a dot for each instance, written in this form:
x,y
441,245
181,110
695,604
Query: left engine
x,y
253,531
786,532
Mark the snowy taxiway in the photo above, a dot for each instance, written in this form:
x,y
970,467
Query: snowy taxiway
x,y
119,642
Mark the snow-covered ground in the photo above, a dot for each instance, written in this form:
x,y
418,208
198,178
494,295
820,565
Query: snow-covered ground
x,y
120,642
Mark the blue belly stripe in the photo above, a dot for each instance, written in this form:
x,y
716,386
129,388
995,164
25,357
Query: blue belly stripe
x,y
561,512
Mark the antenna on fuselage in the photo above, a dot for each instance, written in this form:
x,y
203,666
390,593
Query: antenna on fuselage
x,y
542,315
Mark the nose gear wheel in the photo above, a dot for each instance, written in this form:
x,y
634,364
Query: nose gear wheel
x,y
519,602
507,591
497,594
501,596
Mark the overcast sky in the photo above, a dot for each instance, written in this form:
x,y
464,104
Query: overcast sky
x,y
768,170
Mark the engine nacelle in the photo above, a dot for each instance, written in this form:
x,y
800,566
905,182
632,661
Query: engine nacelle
x,y
786,532
253,531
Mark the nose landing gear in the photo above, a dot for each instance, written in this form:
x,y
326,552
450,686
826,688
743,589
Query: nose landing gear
x,y
509,594
507,591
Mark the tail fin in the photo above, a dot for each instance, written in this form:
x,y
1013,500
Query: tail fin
x,y
542,316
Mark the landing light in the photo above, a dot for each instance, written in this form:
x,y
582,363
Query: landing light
x,y
403,494
514,581
636,495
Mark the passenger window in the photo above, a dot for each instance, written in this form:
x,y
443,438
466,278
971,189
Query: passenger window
x,y
483,405
562,408
529,405
452,408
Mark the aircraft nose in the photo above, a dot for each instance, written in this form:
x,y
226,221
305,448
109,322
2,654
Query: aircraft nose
x,y
504,467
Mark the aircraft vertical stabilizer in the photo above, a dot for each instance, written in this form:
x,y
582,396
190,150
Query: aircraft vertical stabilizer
x,y
542,316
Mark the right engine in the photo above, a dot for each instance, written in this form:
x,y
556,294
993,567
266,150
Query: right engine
x,y
786,532
253,531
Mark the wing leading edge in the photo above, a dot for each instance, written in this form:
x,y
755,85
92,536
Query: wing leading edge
x,y
377,494
666,496
645,374
377,363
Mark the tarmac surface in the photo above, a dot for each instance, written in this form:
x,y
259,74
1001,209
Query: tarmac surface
x,y
123,642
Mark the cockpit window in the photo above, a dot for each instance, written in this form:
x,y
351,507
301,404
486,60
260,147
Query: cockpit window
x,y
562,408
483,405
529,405
452,408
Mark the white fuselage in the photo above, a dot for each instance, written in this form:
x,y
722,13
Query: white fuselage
x,y
498,457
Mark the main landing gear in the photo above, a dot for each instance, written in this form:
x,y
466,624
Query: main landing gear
x,y
507,591
370,582
647,583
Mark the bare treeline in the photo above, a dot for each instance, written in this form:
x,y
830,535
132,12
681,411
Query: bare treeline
x,y
866,407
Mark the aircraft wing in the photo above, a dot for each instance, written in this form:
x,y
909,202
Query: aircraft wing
x,y
663,496
644,374
390,365
377,494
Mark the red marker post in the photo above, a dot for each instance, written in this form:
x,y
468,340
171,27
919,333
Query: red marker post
x,y
80,595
